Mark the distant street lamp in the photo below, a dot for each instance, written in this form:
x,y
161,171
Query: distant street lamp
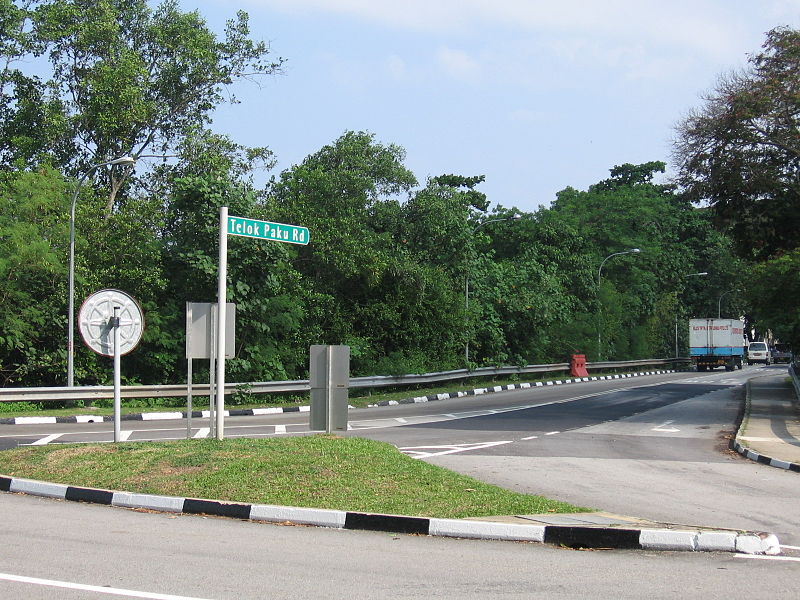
x,y
701,274
599,272
719,302
122,160
466,283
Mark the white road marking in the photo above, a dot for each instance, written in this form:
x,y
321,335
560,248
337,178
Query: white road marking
x,y
93,588
418,451
400,420
124,435
280,428
663,427
46,440
533,437
790,547
202,433
552,432
762,557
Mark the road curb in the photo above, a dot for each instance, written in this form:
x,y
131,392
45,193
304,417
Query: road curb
x,y
251,412
744,450
560,535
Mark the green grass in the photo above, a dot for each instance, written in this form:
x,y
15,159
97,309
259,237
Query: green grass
x,y
320,471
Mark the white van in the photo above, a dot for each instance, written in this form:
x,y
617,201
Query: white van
x,y
758,352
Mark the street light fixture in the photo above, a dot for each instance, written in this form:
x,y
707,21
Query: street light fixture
x,y
122,160
719,302
599,272
701,274
466,281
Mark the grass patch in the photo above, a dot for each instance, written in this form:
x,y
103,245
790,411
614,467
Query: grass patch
x,y
321,471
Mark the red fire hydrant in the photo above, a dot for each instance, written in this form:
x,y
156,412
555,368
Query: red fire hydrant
x,y
577,366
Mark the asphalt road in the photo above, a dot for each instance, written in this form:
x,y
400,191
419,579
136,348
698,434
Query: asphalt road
x,y
93,551
652,447
657,451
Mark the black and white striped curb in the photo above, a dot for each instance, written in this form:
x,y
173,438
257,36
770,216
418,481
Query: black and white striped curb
x,y
765,460
512,386
250,412
154,416
572,537
752,454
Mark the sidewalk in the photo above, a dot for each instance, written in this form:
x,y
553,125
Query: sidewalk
x,y
770,430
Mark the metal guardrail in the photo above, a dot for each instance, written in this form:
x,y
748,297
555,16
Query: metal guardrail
x,y
793,367
54,394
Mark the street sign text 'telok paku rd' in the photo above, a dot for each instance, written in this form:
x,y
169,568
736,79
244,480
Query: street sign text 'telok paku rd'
x,y
276,232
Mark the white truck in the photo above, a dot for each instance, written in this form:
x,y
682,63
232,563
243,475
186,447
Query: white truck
x,y
716,343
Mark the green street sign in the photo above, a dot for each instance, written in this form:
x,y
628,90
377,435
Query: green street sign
x,y
277,232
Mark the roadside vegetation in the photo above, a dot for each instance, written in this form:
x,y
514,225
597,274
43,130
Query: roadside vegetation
x,y
319,471
414,276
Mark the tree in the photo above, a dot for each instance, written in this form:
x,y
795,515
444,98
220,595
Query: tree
x,y
771,290
740,153
32,278
128,79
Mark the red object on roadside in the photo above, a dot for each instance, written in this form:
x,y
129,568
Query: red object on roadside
x,y
577,366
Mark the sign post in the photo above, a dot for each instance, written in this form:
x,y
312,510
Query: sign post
x,y
111,324
241,226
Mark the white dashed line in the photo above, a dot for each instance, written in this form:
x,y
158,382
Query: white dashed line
x,y
46,440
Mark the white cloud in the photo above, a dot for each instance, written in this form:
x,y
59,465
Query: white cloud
x,y
711,28
397,67
458,64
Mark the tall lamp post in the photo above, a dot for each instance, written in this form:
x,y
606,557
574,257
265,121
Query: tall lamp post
x,y
599,273
122,160
701,274
466,282
719,302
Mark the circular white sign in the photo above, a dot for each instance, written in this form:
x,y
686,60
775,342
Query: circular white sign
x,y
94,321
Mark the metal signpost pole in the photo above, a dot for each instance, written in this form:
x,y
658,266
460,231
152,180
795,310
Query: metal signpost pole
x,y
221,301
212,369
188,370
117,354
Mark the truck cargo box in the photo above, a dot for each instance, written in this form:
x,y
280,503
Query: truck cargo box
x,y
716,342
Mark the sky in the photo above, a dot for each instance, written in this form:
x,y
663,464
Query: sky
x,y
535,95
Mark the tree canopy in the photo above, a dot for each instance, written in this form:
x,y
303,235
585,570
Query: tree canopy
x,y
740,152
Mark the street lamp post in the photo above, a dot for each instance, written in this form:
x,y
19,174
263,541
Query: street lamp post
x,y
122,160
701,274
599,273
719,302
466,283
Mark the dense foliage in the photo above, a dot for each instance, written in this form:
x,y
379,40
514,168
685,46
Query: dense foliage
x,y
740,154
413,276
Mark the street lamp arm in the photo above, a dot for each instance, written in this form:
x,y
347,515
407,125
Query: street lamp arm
x,y
466,281
122,160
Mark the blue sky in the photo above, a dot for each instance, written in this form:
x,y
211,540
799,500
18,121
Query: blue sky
x,y
535,95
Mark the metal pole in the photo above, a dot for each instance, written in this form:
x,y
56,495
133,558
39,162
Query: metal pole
x,y
188,370
221,300
676,335
329,388
466,285
466,317
123,160
599,305
115,325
